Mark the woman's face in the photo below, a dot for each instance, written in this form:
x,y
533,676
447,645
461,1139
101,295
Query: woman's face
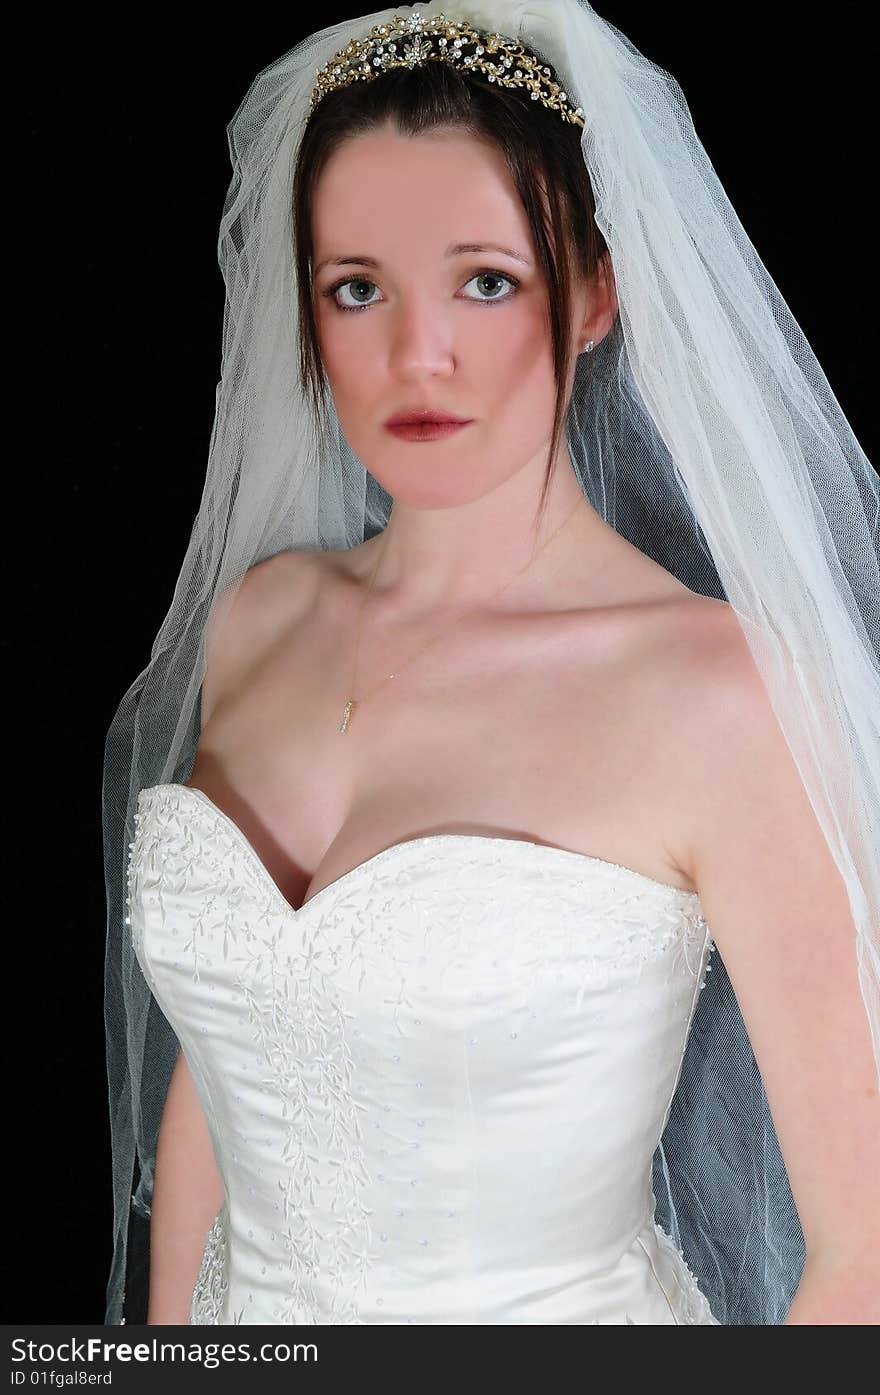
x,y
409,320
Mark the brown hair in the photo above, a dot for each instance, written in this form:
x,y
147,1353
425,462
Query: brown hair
x,y
542,152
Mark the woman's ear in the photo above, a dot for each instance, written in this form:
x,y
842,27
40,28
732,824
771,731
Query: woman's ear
x,y
602,304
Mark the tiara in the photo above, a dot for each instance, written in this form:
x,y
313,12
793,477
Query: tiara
x,y
413,39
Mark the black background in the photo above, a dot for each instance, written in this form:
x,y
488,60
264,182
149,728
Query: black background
x,y
120,131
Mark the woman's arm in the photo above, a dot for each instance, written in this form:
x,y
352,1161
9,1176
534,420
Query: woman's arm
x,y
187,1194
778,911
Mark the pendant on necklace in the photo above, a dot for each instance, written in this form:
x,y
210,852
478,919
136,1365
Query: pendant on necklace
x,y
348,713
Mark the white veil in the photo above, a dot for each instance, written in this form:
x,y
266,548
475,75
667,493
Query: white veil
x,y
707,435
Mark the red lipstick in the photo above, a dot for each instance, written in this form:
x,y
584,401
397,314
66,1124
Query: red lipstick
x,y
425,424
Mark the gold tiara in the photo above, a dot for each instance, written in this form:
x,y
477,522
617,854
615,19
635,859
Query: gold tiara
x,y
412,39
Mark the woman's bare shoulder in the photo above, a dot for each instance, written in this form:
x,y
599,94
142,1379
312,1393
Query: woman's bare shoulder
x,y
250,612
279,586
706,653
721,645
286,575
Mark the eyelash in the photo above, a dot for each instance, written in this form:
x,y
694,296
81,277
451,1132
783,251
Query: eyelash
x,y
330,292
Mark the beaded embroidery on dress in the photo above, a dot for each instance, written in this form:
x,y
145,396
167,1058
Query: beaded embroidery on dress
x,y
435,1090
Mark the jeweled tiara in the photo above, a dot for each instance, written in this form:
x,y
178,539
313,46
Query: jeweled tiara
x,y
414,39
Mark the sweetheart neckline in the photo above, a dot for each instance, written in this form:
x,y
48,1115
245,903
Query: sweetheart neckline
x,y
668,888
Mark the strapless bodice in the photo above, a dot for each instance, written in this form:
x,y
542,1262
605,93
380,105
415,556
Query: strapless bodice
x,y
435,1090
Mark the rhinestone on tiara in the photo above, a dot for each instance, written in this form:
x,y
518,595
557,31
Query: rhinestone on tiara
x,y
413,39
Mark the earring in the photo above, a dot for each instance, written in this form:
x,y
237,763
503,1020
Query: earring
x,y
588,348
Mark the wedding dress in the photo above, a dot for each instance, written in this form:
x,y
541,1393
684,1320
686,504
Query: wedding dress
x,y
435,1090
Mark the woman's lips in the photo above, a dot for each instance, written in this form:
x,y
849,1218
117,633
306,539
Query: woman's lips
x,y
426,430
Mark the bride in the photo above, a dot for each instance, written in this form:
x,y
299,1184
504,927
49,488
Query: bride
x,y
472,800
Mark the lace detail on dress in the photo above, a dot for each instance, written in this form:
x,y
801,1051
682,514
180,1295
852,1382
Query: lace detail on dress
x,y
693,1306
213,1279
625,920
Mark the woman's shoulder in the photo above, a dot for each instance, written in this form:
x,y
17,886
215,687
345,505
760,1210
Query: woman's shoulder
x,y
277,586
306,569
702,650
277,572
719,647
248,615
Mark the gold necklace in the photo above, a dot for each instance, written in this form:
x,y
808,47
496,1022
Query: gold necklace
x,y
352,703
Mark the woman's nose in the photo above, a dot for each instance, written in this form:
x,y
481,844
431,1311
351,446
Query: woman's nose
x,y
422,338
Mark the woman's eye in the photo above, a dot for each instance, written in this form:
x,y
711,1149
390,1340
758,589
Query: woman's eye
x,y
359,283
359,288
495,276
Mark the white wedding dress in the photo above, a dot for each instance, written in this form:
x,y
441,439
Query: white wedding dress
x,y
435,1090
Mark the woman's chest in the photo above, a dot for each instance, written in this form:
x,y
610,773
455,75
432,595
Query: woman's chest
x,y
560,737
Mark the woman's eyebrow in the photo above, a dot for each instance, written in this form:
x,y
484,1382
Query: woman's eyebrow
x,y
456,249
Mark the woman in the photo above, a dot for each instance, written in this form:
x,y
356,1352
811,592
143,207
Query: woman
x,y
465,696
